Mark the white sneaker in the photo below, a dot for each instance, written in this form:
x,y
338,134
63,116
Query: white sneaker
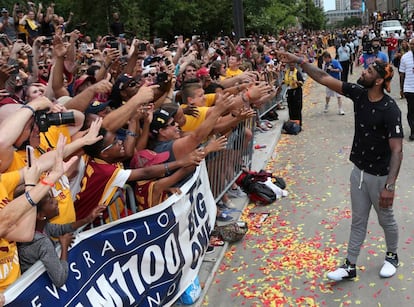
x,y
326,108
391,263
387,270
346,271
341,112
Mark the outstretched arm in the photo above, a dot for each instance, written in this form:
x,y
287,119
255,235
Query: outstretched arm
x,y
313,71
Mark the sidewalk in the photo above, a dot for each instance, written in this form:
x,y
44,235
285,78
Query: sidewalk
x,y
259,161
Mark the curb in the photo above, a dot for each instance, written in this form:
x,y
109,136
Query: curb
x,y
260,159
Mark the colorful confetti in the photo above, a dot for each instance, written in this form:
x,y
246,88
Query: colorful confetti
x,y
284,261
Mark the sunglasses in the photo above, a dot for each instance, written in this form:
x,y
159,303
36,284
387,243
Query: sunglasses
x,y
172,124
131,84
42,67
150,74
116,140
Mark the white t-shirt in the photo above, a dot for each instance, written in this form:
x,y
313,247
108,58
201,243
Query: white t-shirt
x,y
407,67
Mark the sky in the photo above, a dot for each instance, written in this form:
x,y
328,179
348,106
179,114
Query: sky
x,y
329,5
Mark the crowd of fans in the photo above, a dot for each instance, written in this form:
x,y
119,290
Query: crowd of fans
x,y
119,110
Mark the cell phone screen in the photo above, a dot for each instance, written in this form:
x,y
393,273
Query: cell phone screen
x,y
22,36
29,155
114,45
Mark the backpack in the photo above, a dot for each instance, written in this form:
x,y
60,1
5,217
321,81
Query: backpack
x,y
291,127
252,183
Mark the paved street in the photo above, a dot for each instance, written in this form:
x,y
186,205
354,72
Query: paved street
x,y
283,260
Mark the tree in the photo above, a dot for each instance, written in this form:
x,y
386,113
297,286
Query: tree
x,y
166,18
312,17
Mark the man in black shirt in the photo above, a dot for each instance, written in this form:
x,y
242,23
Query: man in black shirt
x,y
376,154
117,27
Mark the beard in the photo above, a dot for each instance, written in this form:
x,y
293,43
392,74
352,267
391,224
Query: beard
x,y
365,83
18,88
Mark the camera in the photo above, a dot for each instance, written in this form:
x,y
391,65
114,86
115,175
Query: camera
x,y
114,45
329,68
45,120
166,61
162,77
47,40
142,47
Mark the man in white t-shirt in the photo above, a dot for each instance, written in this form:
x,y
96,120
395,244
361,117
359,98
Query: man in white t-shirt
x,y
407,84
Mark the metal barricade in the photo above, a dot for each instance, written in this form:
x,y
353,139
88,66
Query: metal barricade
x,y
275,79
115,210
225,166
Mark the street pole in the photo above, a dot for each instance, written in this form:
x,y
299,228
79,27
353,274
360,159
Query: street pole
x,y
238,19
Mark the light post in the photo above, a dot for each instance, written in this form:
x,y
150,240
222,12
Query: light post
x,y
238,19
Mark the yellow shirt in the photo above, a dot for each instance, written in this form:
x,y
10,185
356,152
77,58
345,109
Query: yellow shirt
x,y
232,73
210,99
192,122
9,259
60,192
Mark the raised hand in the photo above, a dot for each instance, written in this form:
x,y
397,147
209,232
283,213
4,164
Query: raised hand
x,y
92,136
32,174
224,102
97,211
195,157
216,144
66,240
192,111
256,92
5,72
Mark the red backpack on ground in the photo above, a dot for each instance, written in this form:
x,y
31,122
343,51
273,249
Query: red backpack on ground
x,y
252,184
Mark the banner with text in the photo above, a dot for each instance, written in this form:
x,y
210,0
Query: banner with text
x,y
146,259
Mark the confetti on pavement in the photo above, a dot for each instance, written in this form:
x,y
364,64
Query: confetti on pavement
x,y
284,261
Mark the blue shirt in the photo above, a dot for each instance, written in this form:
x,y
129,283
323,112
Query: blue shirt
x,y
370,58
336,65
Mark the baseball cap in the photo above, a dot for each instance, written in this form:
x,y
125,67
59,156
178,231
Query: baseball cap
x,y
97,106
148,157
81,80
119,85
150,59
159,120
202,72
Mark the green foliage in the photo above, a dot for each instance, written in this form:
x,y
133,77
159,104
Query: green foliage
x,y
271,18
349,22
312,17
166,18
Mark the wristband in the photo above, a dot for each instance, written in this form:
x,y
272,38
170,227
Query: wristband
x,y
130,133
26,106
29,185
29,199
44,182
167,170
